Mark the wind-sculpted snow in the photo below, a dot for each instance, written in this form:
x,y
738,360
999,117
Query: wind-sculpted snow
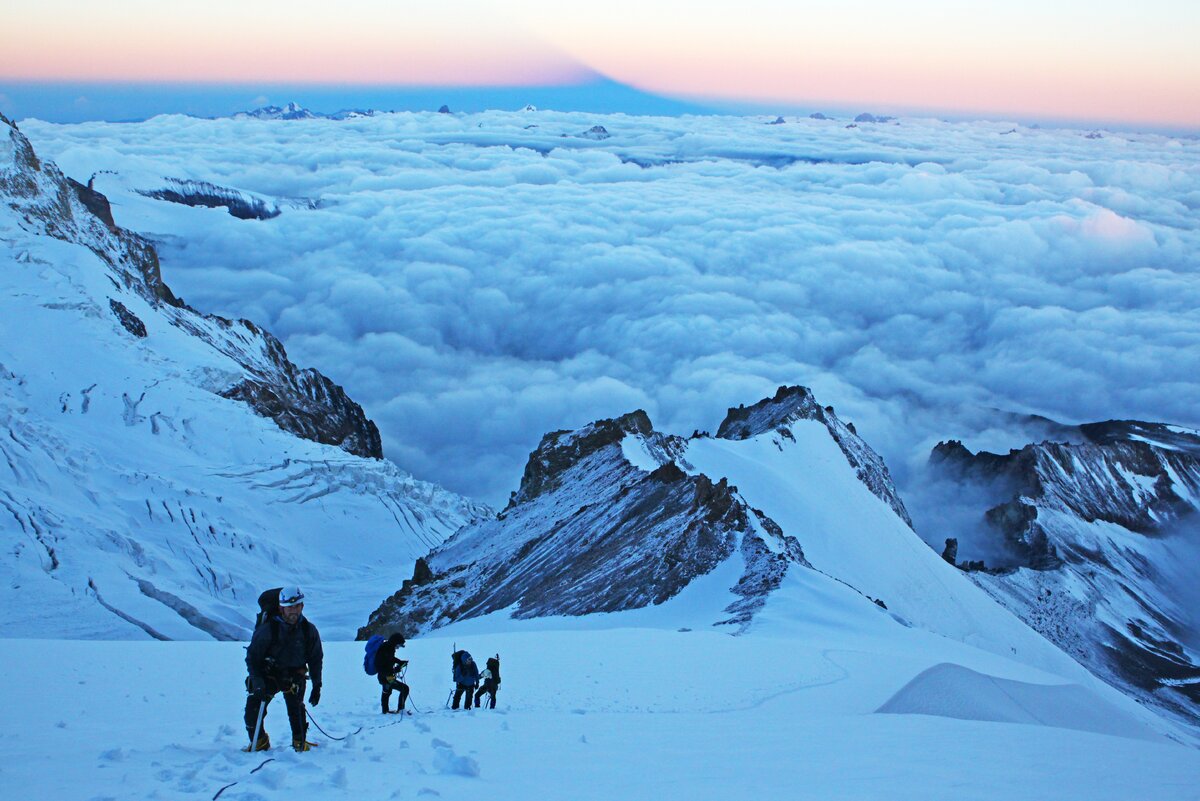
x,y
136,498
589,531
955,691
486,269
1093,542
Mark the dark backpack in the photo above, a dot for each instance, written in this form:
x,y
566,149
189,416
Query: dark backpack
x,y
372,649
268,606
465,671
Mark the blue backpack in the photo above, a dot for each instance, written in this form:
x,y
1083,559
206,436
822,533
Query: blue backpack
x,y
372,649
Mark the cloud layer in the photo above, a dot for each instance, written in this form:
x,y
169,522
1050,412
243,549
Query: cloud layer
x,y
475,281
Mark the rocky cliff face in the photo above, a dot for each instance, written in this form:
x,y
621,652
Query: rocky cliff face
x,y
591,531
301,401
1094,543
54,205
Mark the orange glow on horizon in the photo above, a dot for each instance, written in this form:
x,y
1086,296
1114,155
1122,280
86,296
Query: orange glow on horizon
x,y
1016,57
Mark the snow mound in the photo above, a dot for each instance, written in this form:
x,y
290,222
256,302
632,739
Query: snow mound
x,y
953,691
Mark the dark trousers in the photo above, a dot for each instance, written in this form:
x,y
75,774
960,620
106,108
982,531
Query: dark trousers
x,y
459,689
490,689
389,683
293,700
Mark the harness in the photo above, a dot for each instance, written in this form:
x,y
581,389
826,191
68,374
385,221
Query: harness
x,y
289,680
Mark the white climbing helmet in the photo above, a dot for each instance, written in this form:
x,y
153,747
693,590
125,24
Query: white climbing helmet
x,y
291,596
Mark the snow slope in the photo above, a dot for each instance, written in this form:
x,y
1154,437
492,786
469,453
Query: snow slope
x,y
135,499
805,484
602,707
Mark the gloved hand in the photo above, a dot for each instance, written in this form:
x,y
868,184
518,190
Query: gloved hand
x,y
256,686
314,697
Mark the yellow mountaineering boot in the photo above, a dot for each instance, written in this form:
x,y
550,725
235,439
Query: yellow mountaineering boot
x,y
303,745
263,744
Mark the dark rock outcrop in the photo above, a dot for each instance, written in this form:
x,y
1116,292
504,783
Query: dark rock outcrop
x,y
128,319
206,195
315,408
950,552
587,532
1127,473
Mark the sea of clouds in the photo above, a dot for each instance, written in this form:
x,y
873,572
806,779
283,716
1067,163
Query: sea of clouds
x,y
478,280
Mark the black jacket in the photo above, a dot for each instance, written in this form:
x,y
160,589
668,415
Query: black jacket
x,y
277,650
386,663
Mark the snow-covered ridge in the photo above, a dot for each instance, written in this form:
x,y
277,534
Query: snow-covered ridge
x,y
616,517
794,403
294,111
1093,542
590,531
143,491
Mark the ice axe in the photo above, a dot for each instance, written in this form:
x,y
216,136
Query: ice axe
x,y
262,709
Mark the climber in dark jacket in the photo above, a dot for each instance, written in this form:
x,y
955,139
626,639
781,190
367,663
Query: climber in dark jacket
x,y
466,677
283,653
491,682
387,669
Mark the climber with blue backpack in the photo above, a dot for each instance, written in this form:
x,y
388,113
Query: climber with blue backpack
x,y
381,662
466,677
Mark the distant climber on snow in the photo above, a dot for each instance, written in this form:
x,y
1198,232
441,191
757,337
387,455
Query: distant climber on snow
x,y
284,650
491,681
466,677
390,672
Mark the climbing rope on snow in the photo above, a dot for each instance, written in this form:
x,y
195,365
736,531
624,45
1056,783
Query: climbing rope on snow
x,y
256,770
327,733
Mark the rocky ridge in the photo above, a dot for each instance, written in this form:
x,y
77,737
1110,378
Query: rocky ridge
x,y
1098,535
239,204
590,531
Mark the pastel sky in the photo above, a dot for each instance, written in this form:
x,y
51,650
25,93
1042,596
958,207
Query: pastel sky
x,y
1068,59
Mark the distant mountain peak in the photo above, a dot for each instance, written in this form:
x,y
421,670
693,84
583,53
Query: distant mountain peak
x,y
559,451
791,404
